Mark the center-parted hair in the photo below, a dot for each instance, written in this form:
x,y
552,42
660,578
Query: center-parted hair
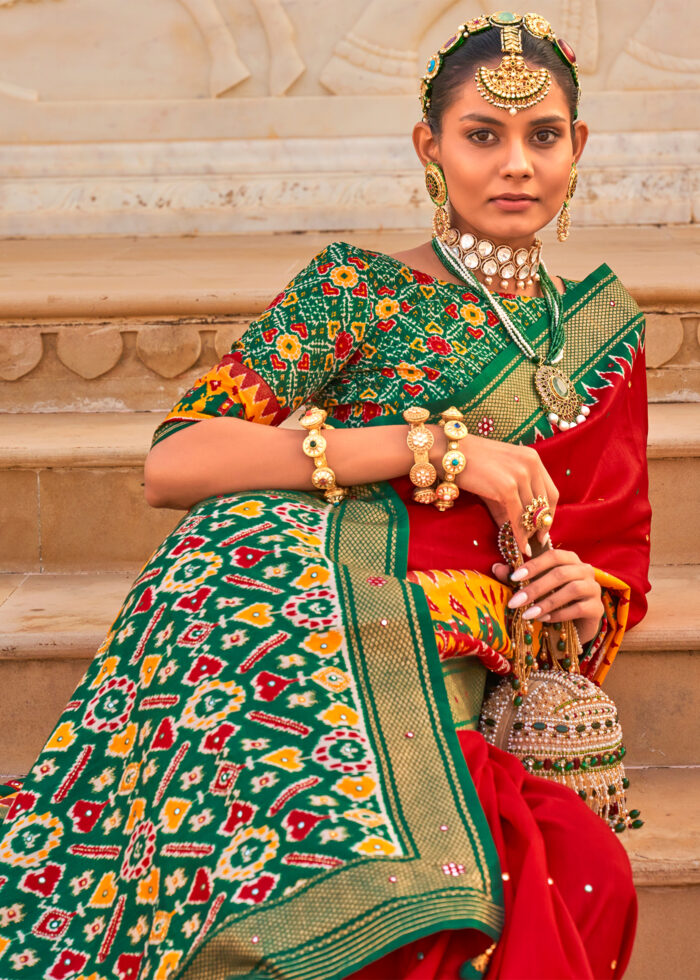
x,y
485,48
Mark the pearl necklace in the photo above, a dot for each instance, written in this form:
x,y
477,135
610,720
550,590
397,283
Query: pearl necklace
x,y
556,391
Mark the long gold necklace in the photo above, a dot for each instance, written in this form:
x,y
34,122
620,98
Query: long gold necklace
x,y
556,391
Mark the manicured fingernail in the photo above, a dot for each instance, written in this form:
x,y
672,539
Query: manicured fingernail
x,y
519,574
528,550
518,600
495,567
546,618
533,612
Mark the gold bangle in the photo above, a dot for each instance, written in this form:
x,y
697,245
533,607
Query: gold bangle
x,y
420,441
454,460
314,446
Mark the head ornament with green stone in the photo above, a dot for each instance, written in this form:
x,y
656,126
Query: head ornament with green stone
x,y
511,85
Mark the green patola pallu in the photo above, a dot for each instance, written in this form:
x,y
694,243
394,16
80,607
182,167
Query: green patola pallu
x,y
259,775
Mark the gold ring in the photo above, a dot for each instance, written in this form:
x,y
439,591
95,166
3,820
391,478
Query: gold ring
x,y
537,516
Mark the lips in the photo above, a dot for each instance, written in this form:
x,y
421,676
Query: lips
x,y
514,197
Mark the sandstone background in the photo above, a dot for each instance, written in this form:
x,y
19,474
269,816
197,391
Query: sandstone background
x,y
193,117
166,166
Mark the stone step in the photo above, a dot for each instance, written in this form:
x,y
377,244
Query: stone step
x,y
665,856
225,274
52,624
100,325
71,490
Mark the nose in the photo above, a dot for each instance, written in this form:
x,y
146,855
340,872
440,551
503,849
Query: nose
x,y
517,162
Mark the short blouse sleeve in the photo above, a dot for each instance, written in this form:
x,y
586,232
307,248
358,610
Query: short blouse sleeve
x,y
304,337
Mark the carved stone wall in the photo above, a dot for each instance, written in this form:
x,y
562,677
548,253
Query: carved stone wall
x,y
218,116
141,364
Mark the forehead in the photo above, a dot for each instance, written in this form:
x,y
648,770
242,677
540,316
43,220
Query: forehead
x,y
466,100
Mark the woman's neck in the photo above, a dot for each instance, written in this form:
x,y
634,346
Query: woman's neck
x,y
514,242
520,263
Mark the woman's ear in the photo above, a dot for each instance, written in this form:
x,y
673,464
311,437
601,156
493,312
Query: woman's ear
x,y
580,139
425,143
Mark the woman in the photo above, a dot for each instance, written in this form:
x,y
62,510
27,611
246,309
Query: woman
x,y
271,768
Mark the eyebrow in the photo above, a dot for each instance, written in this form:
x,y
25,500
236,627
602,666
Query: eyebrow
x,y
492,121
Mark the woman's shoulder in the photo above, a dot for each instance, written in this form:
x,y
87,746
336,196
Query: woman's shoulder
x,y
340,272
341,260
603,280
338,252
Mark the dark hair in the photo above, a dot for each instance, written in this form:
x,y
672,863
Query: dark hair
x,y
485,48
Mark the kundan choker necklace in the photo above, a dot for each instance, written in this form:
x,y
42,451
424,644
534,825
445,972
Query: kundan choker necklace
x,y
556,391
496,261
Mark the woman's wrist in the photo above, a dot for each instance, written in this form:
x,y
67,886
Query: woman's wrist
x,y
589,627
368,455
439,447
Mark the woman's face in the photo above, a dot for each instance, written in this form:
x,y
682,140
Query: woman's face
x,y
486,153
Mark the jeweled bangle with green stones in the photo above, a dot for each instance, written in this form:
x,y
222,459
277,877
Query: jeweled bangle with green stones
x,y
454,460
314,446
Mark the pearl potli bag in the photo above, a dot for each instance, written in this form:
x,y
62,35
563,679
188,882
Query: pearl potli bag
x,y
560,724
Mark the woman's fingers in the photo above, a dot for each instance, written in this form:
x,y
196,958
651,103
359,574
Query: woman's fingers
x,y
541,485
536,483
515,516
551,558
551,494
507,478
553,579
579,611
553,604
557,587
501,572
575,600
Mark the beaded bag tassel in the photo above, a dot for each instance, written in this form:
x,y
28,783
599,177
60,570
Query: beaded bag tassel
x,y
562,647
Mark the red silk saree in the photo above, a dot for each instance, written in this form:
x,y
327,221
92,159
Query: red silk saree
x,y
269,770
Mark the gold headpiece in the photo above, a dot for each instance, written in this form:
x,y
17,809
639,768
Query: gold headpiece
x,y
512,85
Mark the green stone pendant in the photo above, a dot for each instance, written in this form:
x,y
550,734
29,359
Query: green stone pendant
x,y
559,396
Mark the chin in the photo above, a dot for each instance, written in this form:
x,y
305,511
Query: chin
x,y
511,225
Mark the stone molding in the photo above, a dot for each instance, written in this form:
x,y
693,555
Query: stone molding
x,y
143,365
189,187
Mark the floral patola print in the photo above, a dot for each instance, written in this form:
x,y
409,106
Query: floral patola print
x,y
173,810
260,774
362,332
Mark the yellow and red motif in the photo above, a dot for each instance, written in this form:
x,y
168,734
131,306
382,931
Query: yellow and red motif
x,y
468,610
286,689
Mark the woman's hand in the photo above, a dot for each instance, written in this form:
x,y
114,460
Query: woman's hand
x,y
556,587
507,478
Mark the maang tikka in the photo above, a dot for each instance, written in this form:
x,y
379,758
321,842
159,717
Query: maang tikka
x,y
512,85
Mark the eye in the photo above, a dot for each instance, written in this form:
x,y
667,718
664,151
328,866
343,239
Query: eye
x,y
545,136
481,136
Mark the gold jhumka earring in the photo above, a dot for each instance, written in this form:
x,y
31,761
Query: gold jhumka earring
x,y
564,219
436,186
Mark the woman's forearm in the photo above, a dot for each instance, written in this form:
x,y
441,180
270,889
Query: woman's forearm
x,y
227,454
